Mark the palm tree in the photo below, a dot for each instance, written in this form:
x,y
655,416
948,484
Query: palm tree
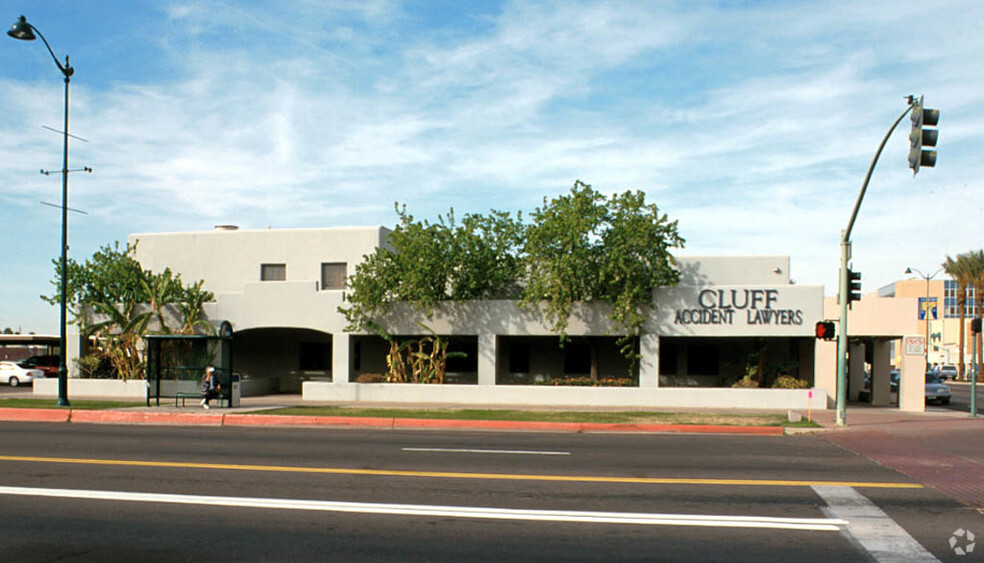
x,y
959,270
975,269
161,290
192,305
118,330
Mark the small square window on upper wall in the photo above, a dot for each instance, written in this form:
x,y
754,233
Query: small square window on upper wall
x,y
273,272
333,275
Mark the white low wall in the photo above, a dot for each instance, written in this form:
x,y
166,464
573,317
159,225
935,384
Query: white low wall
x,y
117,388
136,388
665,397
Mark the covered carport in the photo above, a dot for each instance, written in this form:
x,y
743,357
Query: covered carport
x,y
883,335
280,359
16,347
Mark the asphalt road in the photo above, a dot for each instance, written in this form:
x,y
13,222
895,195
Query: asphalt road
x,y
960,400
69,494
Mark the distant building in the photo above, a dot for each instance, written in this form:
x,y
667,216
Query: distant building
x,y
937,315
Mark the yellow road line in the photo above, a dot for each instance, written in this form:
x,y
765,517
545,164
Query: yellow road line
x,y
452,475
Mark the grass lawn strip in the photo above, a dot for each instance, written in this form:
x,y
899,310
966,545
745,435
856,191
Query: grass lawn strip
x,y
622,417
618,417
76,404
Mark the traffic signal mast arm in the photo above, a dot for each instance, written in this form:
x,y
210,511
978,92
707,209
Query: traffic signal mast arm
x,y
844,281
846,233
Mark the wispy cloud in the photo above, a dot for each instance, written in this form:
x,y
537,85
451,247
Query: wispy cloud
x,y
751,124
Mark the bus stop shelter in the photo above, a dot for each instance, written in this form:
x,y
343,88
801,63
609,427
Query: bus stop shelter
x,y
176,362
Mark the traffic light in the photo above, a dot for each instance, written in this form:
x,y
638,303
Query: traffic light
x,y
975,325
921,137
825,330
853,287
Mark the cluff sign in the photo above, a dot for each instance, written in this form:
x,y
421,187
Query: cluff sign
x,y
723,307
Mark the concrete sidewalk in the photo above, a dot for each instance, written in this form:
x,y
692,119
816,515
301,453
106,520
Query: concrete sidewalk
x,y
938,448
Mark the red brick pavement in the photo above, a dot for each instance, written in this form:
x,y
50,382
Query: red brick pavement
x,y
945,452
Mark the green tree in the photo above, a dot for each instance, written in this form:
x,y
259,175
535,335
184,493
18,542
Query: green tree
x,y
975,272
485,256
584,248
192,303
111,275
117,329
562,254
580,247
114,300
426,264
160,291
959,270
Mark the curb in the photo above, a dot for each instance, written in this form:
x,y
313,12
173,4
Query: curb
x,y
161,418
217,419
38,415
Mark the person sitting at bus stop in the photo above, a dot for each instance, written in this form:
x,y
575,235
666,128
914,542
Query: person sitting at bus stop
x,y
210,386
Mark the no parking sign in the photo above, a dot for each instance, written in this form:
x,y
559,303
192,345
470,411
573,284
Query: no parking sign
x,y
915,345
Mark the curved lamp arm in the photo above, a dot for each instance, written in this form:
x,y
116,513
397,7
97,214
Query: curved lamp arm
x,y
25,31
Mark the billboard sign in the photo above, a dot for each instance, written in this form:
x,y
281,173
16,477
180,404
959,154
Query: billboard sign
x,y
927,309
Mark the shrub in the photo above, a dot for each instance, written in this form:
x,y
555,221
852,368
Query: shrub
x,y
746,383
790,382
370,378
584,381
95,367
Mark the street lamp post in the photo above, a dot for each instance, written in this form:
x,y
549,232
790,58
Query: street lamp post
x,y
911,270
26,32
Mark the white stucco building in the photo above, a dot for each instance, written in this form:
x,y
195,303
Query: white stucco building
x,y
280,289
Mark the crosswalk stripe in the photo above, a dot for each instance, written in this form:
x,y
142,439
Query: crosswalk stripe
x,y
885,540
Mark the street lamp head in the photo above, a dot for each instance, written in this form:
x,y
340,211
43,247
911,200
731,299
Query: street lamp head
x,y
26,32
908,270
22,30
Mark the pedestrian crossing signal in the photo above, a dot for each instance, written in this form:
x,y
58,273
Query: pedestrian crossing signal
x,y
825,330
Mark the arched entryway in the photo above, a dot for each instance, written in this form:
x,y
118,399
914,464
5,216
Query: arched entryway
x,y
280,359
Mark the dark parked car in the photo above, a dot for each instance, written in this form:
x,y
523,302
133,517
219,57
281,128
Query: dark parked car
x,y
47,364
936,391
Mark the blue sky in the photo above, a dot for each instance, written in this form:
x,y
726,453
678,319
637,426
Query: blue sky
x,y
752,123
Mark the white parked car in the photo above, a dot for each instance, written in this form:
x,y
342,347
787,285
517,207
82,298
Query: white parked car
x,y
936,391
14,374
947,371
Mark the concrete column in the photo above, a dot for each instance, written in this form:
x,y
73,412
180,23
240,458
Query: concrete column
x,y
649,362
912,382
856,371
487,354
73,350
825,370
880,371
341,353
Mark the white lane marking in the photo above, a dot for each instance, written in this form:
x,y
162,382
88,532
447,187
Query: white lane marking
x,y
871,527
474,451
813,524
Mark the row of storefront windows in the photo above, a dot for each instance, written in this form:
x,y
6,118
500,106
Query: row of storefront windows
x,y
683,362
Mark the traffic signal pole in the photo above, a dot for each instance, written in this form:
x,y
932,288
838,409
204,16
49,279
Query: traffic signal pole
x,y
845,256
843,290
